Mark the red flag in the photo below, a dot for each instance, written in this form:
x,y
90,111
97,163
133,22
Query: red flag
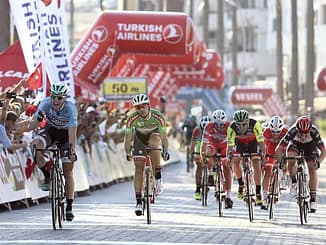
x,y
34,81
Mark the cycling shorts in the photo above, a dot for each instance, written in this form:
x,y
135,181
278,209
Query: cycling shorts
x,y
310,149
141,141
58,136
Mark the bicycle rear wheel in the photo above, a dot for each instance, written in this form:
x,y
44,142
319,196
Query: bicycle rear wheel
x,y
249,195
148,199
204,186
272,194
219,189
54,197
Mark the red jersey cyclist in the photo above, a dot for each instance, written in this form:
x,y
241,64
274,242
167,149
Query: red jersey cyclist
x,y
245,135
273,133
303,136
195,144
214,141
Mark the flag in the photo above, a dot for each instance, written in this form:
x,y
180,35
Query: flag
x,y
34,81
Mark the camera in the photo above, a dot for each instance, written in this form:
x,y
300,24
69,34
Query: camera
x,y
11,95
163,99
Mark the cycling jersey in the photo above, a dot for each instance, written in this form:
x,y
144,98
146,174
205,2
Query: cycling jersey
x,y
299,141
197,137
253,134
153,122
271,142
214,135
63,119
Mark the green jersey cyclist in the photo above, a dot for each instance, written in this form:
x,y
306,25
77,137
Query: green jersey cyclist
x,y
145,127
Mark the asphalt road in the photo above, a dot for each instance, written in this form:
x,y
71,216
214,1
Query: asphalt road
x,y
107,216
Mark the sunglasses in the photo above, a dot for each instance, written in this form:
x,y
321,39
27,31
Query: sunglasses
x,y
242,124
275,132
140,106
56,97
220,124
303,132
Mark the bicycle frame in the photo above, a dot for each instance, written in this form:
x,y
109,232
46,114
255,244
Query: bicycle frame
x,y
148,185
303,192
57,187
274,188
219,182
250,186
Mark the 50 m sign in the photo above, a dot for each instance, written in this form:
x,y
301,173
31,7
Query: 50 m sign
x,y
124,88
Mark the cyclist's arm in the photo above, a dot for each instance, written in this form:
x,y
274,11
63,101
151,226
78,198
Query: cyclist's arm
x,y
259,136
128,135
165,142
230,136
72,132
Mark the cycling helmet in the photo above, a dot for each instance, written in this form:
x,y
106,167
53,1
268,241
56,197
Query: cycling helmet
x,y
276,124
140,99
241,116
204,121
59,89
303,124
219,116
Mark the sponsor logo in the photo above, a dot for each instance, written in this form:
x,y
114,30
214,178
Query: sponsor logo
x,y
100,34
172,33
48,2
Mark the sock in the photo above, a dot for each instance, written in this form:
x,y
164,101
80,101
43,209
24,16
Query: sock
x,y
138,197
293,179
45,172
69,204
158,173
240,181
258,189
313,195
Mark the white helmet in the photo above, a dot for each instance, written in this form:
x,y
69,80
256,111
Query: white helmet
x,y
59,89
204,121
140,99
219,116
276,124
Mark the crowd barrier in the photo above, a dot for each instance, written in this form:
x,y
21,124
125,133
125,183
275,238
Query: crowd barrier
x,y
20,181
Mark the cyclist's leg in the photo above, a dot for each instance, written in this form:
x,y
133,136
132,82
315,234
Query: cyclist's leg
x,y
198,176
238,174
292,151
268,166
139,161
154,142
210,151
41,141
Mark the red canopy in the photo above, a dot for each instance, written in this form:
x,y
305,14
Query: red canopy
x,y
12,66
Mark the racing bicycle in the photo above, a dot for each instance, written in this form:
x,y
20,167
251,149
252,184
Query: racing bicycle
x,y
219,182
57,185
250,186
303,191
148,185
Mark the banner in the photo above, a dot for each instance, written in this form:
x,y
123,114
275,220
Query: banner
x,y
41,26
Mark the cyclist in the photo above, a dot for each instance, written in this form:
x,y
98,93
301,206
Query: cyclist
x,y
145,127
273,134
303,136
245,135
188,127
61,126
195,145
214,141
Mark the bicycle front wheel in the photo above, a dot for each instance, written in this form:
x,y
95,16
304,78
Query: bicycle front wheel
x,y
54,197
302,201
148,199
249,197
219,189
272,194
204,186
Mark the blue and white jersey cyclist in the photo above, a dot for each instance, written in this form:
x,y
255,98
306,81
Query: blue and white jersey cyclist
x,y
60,115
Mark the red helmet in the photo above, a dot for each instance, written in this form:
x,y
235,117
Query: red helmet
x,y
303,124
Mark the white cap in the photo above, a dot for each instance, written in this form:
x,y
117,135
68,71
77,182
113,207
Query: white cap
x,y
90,109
